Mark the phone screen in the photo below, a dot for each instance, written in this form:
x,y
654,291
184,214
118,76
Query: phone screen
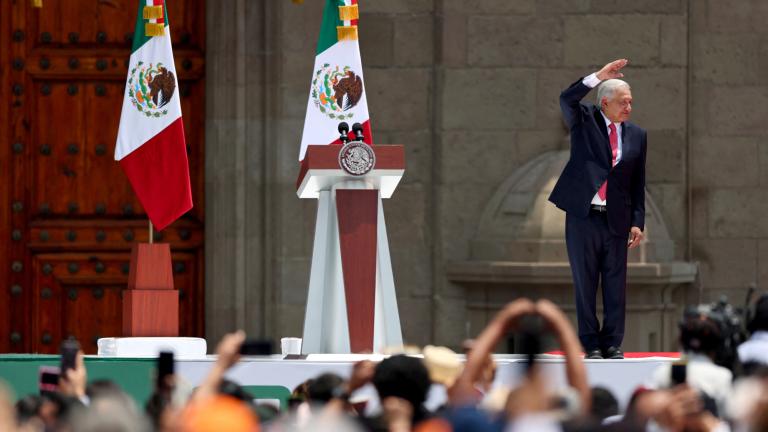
x,y
48,380
165,367
678,374
69,350
256,347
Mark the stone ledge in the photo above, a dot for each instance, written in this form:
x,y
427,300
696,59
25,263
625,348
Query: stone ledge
x,y
676,272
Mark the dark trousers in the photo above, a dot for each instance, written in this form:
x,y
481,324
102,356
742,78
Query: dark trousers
x,y
595,254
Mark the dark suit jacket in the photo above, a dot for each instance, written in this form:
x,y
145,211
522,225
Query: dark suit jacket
x,y
590,165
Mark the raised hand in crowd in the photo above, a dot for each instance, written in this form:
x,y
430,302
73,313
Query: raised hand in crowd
x,y
72,382
228,352
566,336
463,391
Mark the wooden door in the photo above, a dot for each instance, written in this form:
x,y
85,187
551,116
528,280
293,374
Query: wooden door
x,y
68,216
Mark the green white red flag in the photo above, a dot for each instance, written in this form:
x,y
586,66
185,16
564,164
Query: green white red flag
x,y
337,92
150,141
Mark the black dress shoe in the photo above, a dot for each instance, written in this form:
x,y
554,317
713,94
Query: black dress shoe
x,y
593,354
613,353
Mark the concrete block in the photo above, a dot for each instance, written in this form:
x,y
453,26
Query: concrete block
x,y
416,320
377,39
550,83
762,151
726,263
453,39
414,40
674,40
479,7
671,201
293,281
399,98
460,208
300,38
561,7
488,98
736,16
720,162
730,58
418,152
739,213
398,6
664,158
477,157
638,6
297,230
735,295
659,98
454,325
532,143
295,100
515,41
700,213
701,96
734,110
762,263
296,72
285,162
597,39
290,321
409,239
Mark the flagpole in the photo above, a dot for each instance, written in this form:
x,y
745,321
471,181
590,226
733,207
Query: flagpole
x,y
151,233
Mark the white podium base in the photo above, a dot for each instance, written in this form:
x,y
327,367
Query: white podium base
x,y
325,324
142,347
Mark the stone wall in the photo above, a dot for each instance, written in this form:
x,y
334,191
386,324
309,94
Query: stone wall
x,y
729,152
470,88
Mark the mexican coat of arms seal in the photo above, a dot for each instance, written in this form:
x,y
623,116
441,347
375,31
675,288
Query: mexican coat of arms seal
x,y
357,158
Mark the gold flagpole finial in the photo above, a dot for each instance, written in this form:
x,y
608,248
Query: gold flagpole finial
x,y
37,3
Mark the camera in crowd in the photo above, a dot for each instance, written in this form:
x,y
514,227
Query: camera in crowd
x,y
718,328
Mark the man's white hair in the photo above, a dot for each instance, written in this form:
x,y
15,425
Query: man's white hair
x,y
607,89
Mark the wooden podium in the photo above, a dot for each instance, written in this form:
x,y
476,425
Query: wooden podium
x,y
351,303
150,304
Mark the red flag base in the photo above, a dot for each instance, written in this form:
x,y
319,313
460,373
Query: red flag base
x,y
150,304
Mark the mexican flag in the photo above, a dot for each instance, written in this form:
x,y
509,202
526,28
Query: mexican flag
x,y
150,141
337,92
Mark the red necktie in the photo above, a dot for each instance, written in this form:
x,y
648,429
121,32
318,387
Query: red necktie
x,y
613,137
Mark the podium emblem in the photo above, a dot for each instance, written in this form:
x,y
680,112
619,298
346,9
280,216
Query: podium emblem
x,y
357,158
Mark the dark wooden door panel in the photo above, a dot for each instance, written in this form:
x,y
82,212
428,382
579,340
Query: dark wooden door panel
x,y
67,207
75,171
108,23
80,295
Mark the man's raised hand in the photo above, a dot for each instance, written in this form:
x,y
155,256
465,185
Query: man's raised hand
x,y
612,70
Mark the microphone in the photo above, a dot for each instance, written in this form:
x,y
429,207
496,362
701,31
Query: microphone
x,y
357,128
344,130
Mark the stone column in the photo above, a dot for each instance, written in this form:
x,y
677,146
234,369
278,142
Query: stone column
x,y
238,167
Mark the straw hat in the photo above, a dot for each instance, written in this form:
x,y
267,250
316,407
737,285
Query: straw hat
x,y
443,365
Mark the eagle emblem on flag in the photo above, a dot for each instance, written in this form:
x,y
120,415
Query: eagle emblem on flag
x,y
151,87
336,90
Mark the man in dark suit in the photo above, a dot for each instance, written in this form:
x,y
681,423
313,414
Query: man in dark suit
x,y
602,190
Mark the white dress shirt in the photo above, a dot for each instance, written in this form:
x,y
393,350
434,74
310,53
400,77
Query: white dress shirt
x,y
755,349
592,81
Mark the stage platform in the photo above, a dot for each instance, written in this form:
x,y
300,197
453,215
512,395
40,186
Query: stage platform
x,y
272,378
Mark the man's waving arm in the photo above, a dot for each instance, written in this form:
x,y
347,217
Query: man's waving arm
x,y
570,97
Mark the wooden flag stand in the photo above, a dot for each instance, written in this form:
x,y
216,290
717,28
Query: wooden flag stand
x,y
150,304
